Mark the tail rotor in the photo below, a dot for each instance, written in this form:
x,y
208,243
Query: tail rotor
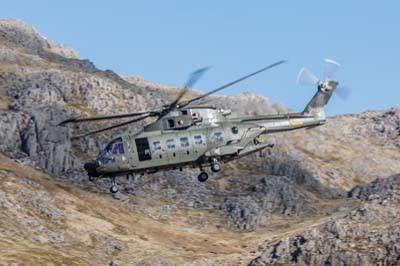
x,y
307,78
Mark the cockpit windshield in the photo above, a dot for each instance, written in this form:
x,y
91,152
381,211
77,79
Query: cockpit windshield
x,y
116,146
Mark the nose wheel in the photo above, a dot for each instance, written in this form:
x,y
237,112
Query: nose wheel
x,y
114,187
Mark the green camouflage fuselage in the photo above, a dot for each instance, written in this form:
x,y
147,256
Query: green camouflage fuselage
x,y
194,144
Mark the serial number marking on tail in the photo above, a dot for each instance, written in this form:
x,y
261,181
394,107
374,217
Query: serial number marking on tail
x,y
296,123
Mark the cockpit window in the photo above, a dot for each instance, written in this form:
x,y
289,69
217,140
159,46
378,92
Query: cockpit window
x,y
116,146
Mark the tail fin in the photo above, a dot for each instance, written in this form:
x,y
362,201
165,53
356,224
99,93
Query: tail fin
x,y
316,106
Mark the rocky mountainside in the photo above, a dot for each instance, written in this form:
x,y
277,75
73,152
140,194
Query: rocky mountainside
x,y
308,180
367,235
44,222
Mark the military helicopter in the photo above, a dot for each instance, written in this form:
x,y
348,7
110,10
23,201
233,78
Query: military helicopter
x,y
184,135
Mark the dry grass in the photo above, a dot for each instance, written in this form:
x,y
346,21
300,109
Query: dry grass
x,y
4,101
82,108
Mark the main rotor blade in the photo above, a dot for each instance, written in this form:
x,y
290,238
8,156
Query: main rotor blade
x,y
193,78
103,117
111,127
232,83
175,102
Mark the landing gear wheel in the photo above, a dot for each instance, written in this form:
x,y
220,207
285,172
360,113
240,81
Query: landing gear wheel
x,y
114,189
215,166
92,178
203,176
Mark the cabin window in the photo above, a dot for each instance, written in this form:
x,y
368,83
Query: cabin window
x,y
170,144
198,140
218,136
157,145
184,112
184,142
171,123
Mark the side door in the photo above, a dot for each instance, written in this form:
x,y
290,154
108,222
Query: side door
x,y
143,152
172,148
199,143
158,151
184,147
217,137
185,151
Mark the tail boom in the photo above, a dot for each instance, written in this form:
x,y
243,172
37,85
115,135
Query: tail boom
x,y
316,105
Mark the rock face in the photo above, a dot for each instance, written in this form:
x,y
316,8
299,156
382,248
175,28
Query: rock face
x,y
368,235
36,97
243,202
272,194
329,156
17,32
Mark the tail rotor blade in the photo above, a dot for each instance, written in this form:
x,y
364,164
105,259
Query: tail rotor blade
x,y
330,68
306,77
343,92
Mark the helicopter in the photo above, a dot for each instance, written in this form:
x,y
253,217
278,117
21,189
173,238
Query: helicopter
x,y
184,135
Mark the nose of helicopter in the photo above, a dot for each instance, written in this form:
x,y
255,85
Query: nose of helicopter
x,y
91,168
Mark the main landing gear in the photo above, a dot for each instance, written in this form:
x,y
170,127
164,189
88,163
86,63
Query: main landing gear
x,y
203,176
215,167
